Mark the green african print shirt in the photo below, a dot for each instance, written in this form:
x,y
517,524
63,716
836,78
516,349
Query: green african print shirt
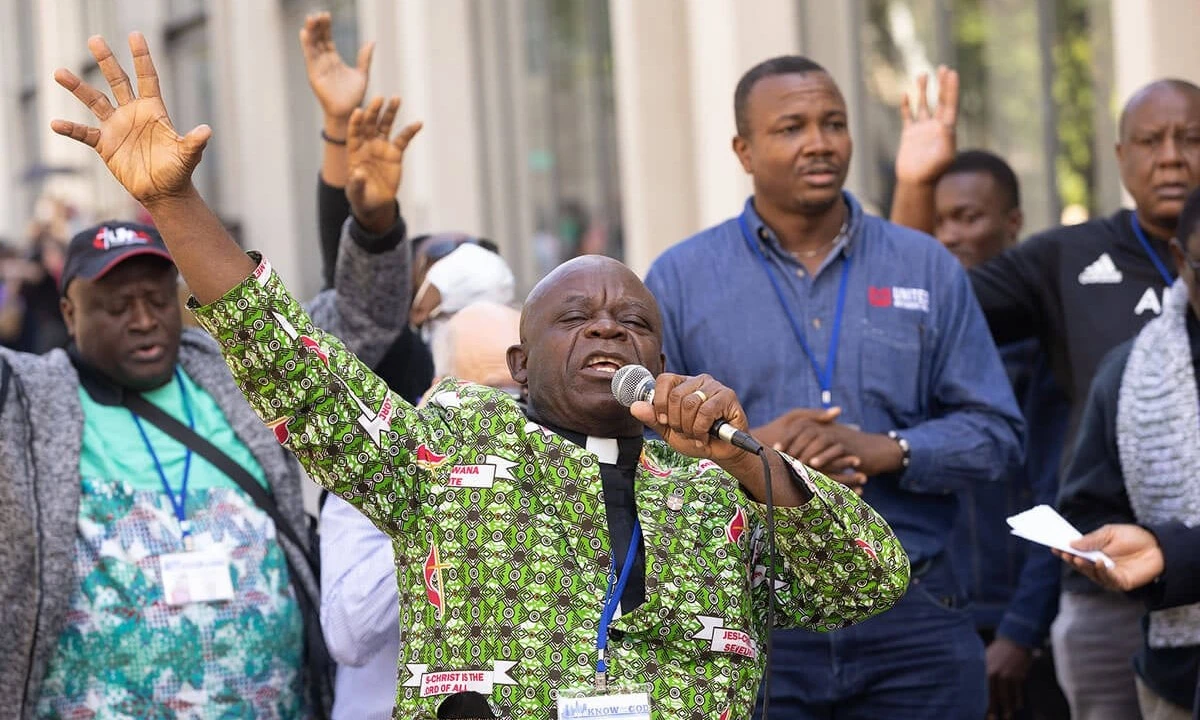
x,y
502,548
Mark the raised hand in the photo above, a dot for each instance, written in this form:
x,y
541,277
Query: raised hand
x,y
338,87
376,163
928,140
135,139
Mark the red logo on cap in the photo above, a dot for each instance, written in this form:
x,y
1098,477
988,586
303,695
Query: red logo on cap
x,y
108,238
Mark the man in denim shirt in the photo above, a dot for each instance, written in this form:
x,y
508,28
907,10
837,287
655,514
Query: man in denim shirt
x,y
859,345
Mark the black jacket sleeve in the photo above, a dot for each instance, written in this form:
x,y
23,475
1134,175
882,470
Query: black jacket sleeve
x,y
1092,493
1180,581
1011,291
332,210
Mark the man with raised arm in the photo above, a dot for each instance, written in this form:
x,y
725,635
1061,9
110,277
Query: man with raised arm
x,y
539,550
141,576
1082,290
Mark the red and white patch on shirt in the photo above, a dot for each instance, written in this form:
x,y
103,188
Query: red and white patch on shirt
x,y
435,591
280,428
736,526
901,298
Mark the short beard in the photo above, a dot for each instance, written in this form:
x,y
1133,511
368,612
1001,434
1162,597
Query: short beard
x,y
811,209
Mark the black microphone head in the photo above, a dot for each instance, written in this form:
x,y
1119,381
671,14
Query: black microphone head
x,y
632,383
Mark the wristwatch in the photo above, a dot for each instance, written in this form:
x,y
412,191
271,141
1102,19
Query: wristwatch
x,y
905,448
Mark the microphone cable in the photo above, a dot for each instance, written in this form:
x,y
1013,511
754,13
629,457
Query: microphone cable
x,y
769,579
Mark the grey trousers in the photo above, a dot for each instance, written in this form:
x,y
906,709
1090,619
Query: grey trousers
x,y
1156,707
1095,638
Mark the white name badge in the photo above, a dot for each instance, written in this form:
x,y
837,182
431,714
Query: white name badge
x,y
196,577
616,706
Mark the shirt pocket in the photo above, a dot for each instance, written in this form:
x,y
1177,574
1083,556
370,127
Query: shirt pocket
x,y
892,371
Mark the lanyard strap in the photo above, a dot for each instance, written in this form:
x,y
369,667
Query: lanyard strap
x,y
612,599
823,374
178,503
1154,258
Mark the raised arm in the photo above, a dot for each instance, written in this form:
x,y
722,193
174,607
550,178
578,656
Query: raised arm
x,y
368,308
352,435
142,149
928,143
339,89
154,164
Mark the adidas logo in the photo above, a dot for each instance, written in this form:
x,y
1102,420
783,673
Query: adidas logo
x,y
1101,272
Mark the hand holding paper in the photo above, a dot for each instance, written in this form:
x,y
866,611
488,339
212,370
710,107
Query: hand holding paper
x,y
1043,525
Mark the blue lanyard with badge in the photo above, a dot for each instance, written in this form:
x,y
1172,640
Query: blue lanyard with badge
x,y
194,575
605,701
1154,258
824,373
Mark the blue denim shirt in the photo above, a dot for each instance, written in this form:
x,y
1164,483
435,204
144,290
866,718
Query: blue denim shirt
x,y
1012,584
914,355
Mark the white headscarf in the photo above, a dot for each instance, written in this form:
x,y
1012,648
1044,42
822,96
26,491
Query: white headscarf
x,y
469,274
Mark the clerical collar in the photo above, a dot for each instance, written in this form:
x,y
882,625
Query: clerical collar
x,y
622,452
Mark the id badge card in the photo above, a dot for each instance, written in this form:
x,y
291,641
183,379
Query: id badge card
x,y
196,576
616,702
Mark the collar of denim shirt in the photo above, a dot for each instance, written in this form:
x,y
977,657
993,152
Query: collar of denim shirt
x,y
844,246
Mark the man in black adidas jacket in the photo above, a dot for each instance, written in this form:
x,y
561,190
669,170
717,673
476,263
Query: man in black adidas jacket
x,y
1082,290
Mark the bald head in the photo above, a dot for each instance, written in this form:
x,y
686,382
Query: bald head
x,y
582,322
473,343
1158,90
571,273
1159,152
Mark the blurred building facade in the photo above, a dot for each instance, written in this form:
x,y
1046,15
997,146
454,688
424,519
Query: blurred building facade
x,y
563,126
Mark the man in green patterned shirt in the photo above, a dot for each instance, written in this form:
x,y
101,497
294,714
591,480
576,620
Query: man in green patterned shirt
x,y
511,522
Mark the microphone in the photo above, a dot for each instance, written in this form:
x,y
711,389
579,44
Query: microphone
x,y
634,382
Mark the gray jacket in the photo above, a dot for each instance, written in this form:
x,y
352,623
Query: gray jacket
x,y
41,427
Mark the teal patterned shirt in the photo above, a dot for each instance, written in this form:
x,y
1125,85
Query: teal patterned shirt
x,y
124,652
502,547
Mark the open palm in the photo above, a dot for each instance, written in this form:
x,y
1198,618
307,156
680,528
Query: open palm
x,y
376,161
135,139
928,140
338,87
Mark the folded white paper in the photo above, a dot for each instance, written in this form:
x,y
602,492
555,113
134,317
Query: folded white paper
x,y
1043,525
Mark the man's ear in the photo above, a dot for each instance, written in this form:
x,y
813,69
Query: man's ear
x,y
518,364
741,148
67,307
1013,223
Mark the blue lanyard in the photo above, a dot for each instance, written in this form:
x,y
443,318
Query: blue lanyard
x,y
1154,258
612,598
824,374
178,503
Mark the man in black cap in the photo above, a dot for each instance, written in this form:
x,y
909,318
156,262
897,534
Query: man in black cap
x,y
141,572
